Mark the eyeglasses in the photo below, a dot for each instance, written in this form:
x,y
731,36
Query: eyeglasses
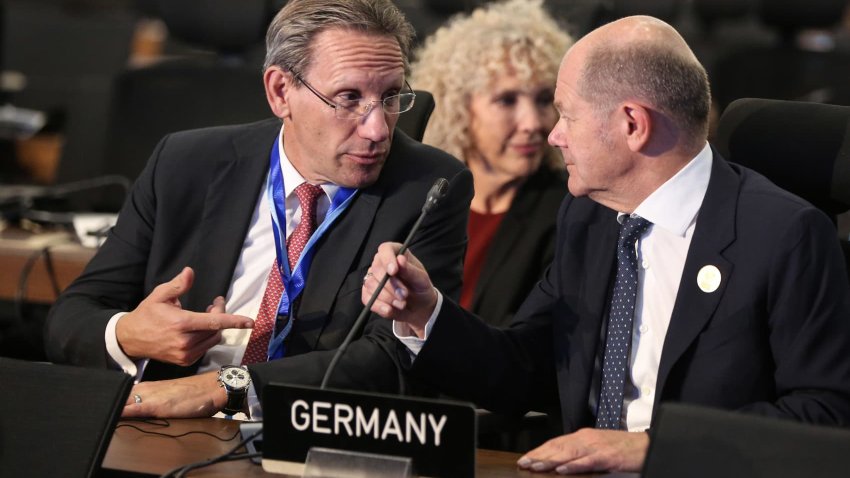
x,y
351,109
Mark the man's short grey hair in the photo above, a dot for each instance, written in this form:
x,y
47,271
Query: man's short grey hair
x,y
291,33
669,82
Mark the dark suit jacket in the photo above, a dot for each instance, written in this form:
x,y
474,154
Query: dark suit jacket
x,y
773,339
192,206
522,248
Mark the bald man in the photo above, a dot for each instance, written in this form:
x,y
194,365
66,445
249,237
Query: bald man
x,y
677,276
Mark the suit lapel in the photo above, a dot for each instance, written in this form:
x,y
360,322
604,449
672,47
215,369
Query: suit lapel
x,y
715,230
230,201
596,268
333,260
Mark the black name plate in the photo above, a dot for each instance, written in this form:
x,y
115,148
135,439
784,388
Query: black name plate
x,y
438,435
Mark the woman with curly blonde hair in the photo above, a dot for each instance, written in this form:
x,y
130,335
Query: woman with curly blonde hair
x,y
492,74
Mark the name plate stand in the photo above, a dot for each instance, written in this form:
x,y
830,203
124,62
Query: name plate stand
x,y
324,462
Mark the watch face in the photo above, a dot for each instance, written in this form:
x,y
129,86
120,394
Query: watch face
x,y
236,377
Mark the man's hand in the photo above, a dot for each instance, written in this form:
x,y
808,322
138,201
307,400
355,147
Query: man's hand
x,y
160,329
589,450
408,296
188,397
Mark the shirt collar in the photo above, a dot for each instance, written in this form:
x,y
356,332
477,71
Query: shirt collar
x,y
675,204
292,178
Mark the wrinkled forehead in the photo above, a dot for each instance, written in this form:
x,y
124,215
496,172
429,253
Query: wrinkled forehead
x,y
343,48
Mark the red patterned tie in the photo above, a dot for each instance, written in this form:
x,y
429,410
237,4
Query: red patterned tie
x,y
258,344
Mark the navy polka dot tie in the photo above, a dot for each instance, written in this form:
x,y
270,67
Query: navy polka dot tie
x,y
615,364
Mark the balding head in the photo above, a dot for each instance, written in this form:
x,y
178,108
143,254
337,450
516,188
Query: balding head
x,y
643,59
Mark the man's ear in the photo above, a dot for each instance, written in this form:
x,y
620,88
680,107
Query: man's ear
x,y
637,125
278,85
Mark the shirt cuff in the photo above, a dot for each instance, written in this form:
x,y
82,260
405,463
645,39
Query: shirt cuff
x,y
119,358
406,336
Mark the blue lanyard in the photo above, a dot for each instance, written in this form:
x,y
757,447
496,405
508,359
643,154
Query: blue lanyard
x,y
293,281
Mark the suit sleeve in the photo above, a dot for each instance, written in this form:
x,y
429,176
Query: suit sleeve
x,y
509,370
371,362
809,325
112,282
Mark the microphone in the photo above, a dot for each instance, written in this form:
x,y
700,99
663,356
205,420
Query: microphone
x,y
18,201
437,191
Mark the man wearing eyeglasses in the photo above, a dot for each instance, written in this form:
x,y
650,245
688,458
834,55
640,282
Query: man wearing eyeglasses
x,y
246,246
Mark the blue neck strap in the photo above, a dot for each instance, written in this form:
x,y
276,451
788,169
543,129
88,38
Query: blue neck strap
x,y
293,281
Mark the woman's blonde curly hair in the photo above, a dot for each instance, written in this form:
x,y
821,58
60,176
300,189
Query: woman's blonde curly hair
x,y
467,54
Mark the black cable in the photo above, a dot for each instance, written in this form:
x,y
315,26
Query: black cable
x,y
195,466
229,455
180,435
24,276
51,272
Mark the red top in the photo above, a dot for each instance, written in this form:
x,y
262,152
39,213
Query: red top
x,y
481,231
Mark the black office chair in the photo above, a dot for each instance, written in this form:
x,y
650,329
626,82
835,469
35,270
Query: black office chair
x,y
58,419
786,68
413,122
696,442
802,147
220,86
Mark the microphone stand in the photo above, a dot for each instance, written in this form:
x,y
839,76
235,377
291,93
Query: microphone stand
x,y
437,191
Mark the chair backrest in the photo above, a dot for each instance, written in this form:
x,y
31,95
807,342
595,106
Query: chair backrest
x,y
176,94
703,443
790,66
802,147
57,420
413,122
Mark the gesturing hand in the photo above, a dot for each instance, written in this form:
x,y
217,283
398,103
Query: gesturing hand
x,y
159,328
408,296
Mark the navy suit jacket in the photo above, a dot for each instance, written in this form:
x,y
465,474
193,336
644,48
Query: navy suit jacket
x,y
192,206
773,339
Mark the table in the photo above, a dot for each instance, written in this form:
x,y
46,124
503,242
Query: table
x,y
134,453
137,454
17,247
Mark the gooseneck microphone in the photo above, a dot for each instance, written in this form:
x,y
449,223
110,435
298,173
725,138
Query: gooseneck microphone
x,y
437,191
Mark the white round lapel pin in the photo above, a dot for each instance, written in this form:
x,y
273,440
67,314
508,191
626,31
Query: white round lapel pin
x,y
708,279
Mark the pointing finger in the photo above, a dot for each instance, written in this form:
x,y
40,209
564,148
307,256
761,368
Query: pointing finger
x,y
217,321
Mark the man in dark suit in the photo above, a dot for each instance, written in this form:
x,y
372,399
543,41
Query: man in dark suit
x,y
719,289
172,295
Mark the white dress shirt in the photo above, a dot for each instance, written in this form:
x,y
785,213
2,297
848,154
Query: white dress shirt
x,y
249,278
672,209
661,252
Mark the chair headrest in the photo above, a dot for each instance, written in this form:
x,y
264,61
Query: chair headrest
x,y
794,15
413,122
802,147
217,24
698,442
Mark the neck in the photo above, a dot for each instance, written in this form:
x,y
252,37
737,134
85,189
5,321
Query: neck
x,y
645,179
493,197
